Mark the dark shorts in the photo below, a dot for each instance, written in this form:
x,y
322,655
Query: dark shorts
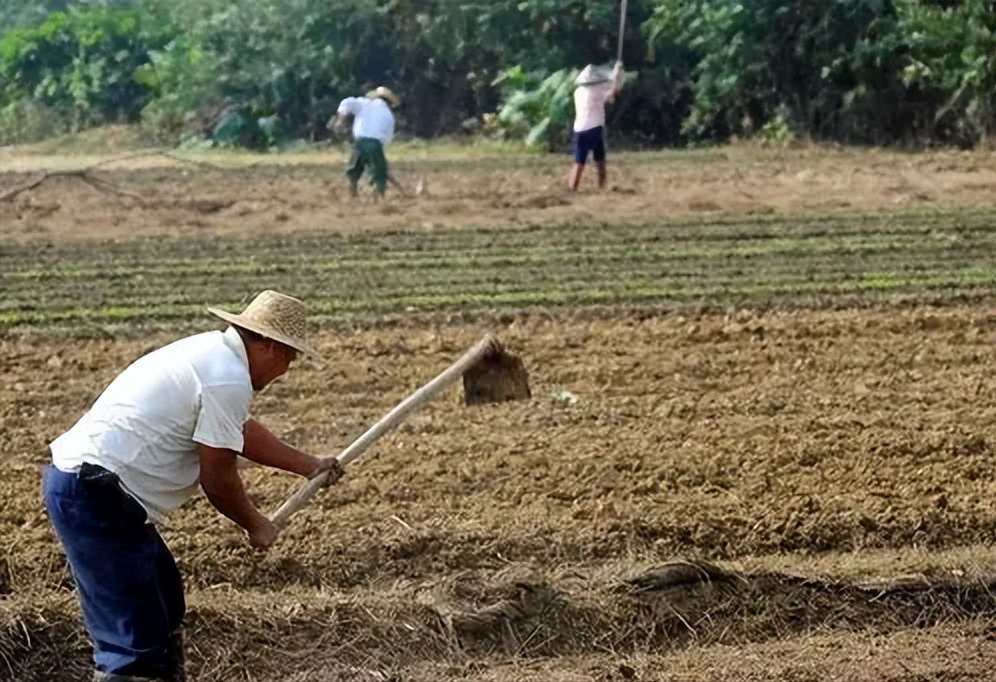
x,y
126,579
590,140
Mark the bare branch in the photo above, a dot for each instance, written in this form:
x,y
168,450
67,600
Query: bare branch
x,y
86,176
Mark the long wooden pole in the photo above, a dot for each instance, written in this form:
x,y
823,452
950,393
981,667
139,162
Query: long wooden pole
x,y
622,30
427,393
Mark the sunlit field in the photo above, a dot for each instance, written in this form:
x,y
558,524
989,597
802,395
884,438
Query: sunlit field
x,y
760,443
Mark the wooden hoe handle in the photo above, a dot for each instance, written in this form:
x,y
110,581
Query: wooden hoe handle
x,y
426,394
622,30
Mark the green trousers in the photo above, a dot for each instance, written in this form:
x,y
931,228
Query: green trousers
x,y
368,153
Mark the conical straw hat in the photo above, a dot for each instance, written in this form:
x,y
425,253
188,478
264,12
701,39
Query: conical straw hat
x,y
275,316
590,75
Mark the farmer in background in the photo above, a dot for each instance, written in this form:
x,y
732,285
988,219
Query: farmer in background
x,y
595,88
174,418
373,129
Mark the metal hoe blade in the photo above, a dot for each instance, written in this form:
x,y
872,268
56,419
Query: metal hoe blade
x,y
496,378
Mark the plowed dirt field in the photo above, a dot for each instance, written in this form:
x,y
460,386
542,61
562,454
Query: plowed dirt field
x,y
761,442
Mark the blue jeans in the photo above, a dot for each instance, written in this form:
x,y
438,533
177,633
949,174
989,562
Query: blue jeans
x,y
128,584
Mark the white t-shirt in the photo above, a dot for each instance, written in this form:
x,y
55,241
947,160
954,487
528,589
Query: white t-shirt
x,y
371,118
589,101
147,423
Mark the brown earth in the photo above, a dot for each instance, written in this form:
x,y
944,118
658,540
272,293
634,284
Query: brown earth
x,y
194,196
830,473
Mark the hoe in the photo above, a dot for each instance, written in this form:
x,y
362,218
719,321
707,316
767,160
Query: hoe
x,y
490,375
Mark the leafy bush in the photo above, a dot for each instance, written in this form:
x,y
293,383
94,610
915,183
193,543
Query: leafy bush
x,y
853,70
180,80
952,54
537,106
79,66
26,119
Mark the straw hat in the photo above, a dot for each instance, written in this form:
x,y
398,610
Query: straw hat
x,y
275,316
590,75
385,94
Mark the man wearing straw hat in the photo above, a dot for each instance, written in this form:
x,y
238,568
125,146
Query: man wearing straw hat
x,y
373,130
595,88
173,419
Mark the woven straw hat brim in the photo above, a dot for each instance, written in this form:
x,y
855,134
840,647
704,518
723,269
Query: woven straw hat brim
x,y
591,76
385,94
267,331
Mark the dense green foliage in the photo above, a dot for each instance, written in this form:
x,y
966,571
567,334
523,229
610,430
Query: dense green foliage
x,y
78,68
15,14
853,70
875,71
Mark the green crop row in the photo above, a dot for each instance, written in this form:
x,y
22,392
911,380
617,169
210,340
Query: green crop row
x,y
744,261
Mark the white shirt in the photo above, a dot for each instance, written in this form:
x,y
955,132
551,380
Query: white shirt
x,y
147,423
589,101
371,118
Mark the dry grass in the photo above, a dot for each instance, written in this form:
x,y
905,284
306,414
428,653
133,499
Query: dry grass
x,y
421,630
239,194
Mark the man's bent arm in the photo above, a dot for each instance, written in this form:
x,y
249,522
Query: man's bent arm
x,y
263,447
224,489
